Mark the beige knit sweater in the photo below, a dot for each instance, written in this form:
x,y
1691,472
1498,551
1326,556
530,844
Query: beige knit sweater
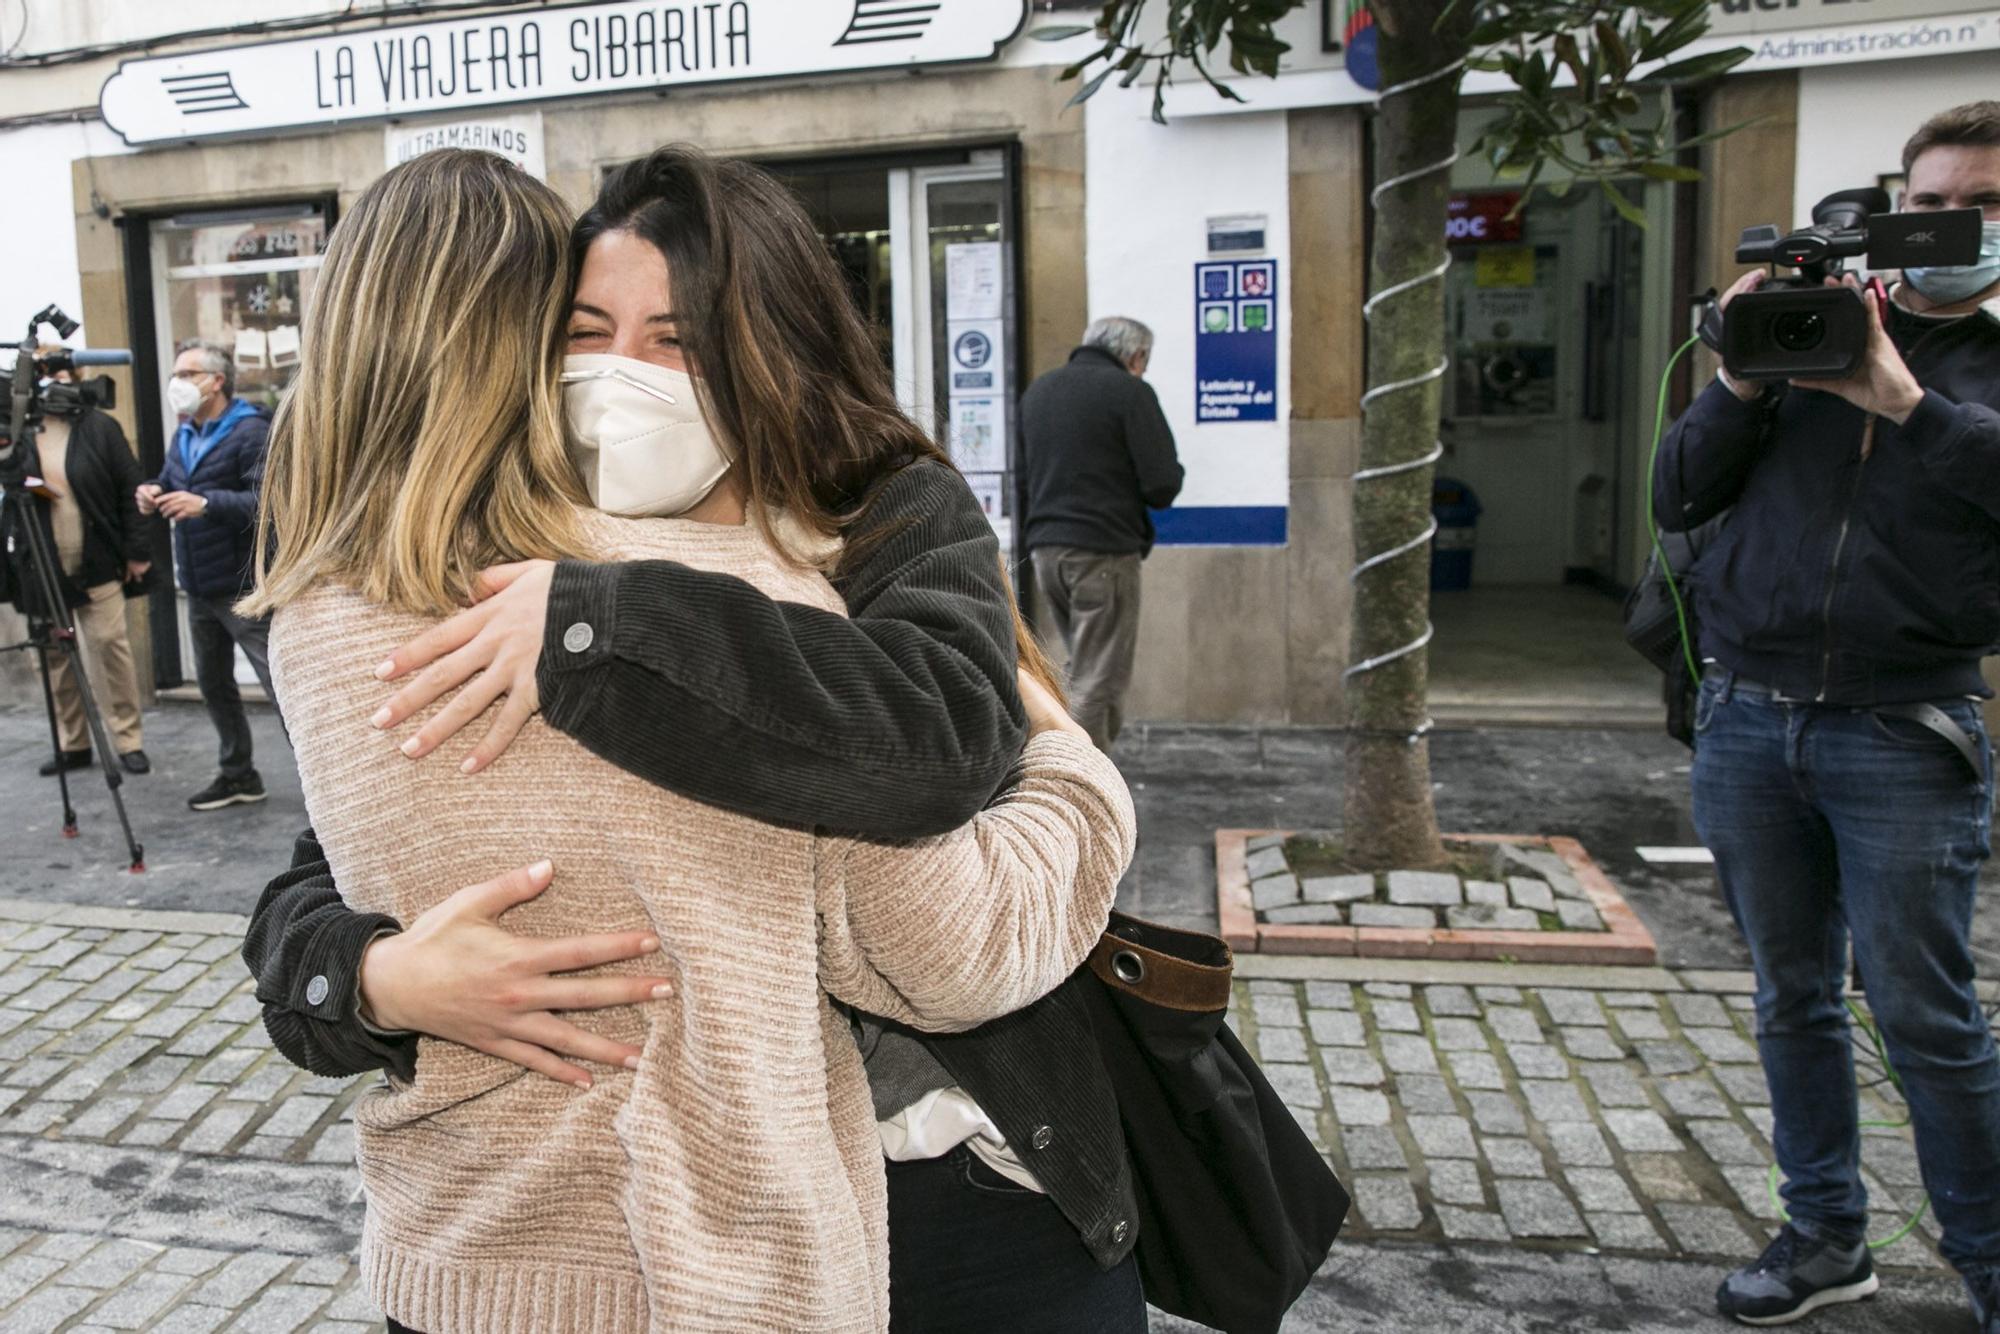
x,y
735,1181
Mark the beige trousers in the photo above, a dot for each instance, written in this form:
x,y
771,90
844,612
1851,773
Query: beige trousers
x,y
1094,599
107,656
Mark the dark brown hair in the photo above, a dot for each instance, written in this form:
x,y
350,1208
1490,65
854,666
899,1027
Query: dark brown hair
x,y
1975,124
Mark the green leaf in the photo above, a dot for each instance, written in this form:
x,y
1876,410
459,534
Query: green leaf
x,y
1616,58
1084,93
1062,33
1711,65
1627,210
1667,171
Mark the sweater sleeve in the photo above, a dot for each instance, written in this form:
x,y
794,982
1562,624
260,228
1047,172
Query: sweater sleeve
x,y
897,721
1010,905
1151,443
304,948
134,528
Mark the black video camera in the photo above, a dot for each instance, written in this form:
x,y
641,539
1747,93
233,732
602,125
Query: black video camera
x,y
1798,326
25,400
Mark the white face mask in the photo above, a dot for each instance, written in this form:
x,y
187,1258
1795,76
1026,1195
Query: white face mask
x,y
637,436
183,397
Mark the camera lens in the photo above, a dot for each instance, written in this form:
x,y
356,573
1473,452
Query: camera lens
x,y
1799,331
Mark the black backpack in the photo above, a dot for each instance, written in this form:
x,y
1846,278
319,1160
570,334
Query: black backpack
x,y
1653,622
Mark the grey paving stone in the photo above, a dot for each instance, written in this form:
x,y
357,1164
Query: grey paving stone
x,y
1512,1024
1641,1025
1408,1054
1692,1096
1706,1229
1601,1189
1665,1059
1722,1046
127,942
1388,1203
35,1073
1306,914
1458,1035
1629,1000
1592,1044
1359,1107
1895,1161
1348,1065
1397,1016
1267,861
36,938
1753,1189
1425,1095
1697,1010
1389,990
175,978
1451,1000
1570,1008
1296,1084
1498,995
241,1010
46,1310
1535,1061
1276,1011
1614,1085
1727,1142
1443,1136
1626,1232
191,1319
1274,891
67,1246
45,995
1555,1101
241,1279
1477,1071
226,1067
18,979
282,1309
1537,1209
1486,892
68,1015
1456,1181
1530,893
151,1134
1338,888
1744,1084
261,1145
1425,889
1496,1114
158,958
1661,1176
1578,916
1544,863
1578,1144
1486,917
88,1038
353,1304
1641,1131
135,1304
1511,1156
184,1102
263,1085
209,991
1472,1224
1373,1148
1329,995
218,1128
1389,914
1273,1044
1336,1028
216,947
335,1144
20,1273
103,1117
191,1261
38,1117
154,1075
166,1023
114,985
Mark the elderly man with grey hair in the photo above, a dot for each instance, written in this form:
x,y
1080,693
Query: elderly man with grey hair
x,y
209,490
1098,457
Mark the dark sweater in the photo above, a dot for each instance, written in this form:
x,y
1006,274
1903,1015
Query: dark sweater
x,y
1098,456
103,473
899,723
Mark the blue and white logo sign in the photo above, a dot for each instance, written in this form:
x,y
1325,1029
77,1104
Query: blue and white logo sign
x,y
975,357
1236,341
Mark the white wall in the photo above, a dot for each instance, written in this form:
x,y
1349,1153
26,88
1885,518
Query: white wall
x,y
41,225
1150,190
1854,119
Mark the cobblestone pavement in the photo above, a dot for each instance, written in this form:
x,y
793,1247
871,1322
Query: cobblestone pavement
x,y
166,1170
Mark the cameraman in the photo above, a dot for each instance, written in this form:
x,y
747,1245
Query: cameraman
x,y
101,544
1842,775
209,489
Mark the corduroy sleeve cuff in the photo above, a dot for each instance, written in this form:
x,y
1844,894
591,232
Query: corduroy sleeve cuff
x,y
578,631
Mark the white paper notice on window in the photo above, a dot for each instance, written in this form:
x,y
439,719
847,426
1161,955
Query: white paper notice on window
x,y
978,440
972,281
284,345
990,489
250,348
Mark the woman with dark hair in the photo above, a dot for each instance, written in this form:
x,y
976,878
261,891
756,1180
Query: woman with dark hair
x,y
1009,1198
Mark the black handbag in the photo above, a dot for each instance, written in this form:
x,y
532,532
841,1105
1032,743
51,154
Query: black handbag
x,y
1237,1209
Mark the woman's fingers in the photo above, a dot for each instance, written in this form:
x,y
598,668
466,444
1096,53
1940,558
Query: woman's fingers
x,y
599,993
522,703
433,644
497,577
467,705
573,953
492,897
531,1057
559,1035
449,672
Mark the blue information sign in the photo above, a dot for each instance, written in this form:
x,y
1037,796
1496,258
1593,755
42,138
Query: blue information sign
x,y
1236,341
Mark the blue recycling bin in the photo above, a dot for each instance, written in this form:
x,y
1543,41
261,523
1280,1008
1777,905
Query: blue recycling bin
x,y
1456,508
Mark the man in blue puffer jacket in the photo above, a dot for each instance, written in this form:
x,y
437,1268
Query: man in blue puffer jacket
x,y
1842,776
209,488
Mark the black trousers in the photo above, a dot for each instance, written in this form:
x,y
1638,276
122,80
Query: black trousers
x,y
971,1252
217,631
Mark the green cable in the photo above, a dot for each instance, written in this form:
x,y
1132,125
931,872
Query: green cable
x,y
1653,524
1694,674
1875,1037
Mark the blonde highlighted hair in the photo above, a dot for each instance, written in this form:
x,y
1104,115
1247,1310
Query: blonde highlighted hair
x,y
423,437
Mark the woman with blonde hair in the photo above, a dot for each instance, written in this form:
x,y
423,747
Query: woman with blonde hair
x,y
729,1175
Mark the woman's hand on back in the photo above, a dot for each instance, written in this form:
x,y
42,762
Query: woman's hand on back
x,y
1045,712
495,646
459,975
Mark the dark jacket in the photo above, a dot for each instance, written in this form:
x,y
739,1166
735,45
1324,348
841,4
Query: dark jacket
x,y
904,721
1098,456
1839,579
103,473
214,553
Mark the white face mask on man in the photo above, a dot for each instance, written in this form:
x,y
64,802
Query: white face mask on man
x,y
183,396
637,436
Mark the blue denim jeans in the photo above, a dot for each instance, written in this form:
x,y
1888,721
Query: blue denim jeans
x,y
1832,825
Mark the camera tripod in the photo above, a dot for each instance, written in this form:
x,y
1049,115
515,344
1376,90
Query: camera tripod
x,y
51,629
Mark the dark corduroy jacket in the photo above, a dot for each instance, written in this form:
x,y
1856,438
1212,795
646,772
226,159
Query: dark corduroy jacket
x,y
900,722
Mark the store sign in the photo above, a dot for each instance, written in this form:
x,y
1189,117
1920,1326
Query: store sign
x,y
1478,218
518,138
1740,18
536,56
1236,341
